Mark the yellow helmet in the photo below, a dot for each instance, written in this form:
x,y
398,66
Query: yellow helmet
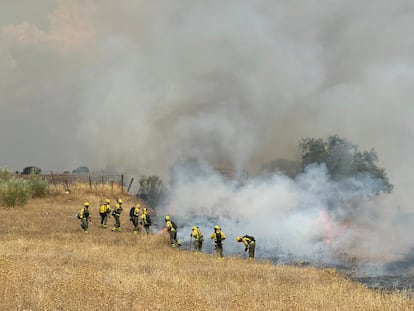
x,y
217,227
120,201
167,218
138,205
238,239
86,204
145,210
107,201
194,227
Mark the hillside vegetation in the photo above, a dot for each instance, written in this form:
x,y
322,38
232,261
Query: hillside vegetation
x,y
48,263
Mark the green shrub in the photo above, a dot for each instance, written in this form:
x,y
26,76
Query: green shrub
x,y
39,187
15,191
5,175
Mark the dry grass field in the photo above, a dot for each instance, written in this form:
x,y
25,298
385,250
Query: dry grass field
x,y
48,263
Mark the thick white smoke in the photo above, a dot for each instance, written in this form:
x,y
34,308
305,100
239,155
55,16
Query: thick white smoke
x,y
308,217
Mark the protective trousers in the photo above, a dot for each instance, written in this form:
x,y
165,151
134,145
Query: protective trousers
x,y
219,250
134,220
252,246
198,245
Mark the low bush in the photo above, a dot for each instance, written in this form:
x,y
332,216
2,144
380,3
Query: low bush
x,y
5,175
15,191
39,187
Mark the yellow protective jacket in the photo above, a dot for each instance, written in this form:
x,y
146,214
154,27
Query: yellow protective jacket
x,y
137,210
118,210
145,219
218,236
169,226
248,240
84,213
196,234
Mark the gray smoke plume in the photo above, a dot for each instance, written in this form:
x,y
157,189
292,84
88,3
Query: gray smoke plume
x,y
309,217
134,86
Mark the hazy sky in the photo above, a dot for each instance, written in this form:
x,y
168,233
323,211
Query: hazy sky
x,y
134,85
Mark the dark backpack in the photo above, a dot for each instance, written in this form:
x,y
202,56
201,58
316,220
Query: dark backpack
x,y
148,222
173,225
131,211
218,237
250,237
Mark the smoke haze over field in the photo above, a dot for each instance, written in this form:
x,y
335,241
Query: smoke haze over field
x,y
309,217
136,85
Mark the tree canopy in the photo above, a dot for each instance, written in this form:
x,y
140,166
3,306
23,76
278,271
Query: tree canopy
x,y
31,170
343,159
81,169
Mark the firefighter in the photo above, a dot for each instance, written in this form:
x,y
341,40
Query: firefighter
x,y
117,215
218,236
84,217
171,228
134,216
198,238
104,211
146,220
249,244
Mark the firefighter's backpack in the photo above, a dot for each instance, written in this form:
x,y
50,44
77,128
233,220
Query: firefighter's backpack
x,y
218,237
250,238
147,220
174,225
131,212
102,209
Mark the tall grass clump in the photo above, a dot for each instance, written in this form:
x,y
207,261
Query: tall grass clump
x,y
15,191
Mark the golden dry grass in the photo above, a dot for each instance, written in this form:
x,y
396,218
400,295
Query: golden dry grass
x,y
48,263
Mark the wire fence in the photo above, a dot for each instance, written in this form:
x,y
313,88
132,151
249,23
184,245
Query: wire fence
x,y
94,180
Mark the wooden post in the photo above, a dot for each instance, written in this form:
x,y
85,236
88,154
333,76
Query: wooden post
x,y
90,182
130,184
122,183
53,180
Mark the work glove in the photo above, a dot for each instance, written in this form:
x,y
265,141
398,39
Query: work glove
x,y
246,249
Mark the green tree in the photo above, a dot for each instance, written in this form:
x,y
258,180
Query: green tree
x,y
80,170
343,160
31,170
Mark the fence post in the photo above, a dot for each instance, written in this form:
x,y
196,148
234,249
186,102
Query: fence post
x,y
90,182
122,183
53,180
130,184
